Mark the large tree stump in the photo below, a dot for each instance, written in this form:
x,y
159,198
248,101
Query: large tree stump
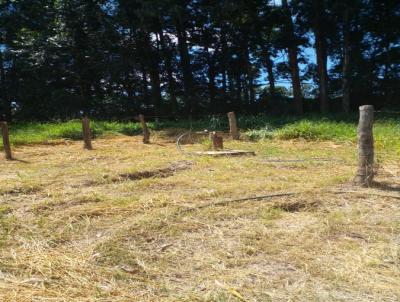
x,y
216,141
6,140
87,135
233,125
365,171
146,132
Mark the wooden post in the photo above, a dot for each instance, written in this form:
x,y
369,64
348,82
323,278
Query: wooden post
x,y
217,141
365,172
146,132
6,140
87,135
233,126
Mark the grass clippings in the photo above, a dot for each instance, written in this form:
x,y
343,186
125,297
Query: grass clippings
x,y
135,240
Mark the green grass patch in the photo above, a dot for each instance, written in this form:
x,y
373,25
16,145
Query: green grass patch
x,y
271,214
318,130
337,128
32,133
314,128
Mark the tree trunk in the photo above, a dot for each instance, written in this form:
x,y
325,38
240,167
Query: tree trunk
x,y
4,93
6,140
211,78
231,84
224,65
293,63
250,80
155,88
294,69
346,61
170,74
154,72
250,93
238,89
322,75
188,82
211,86
320,47
270,73
145,85
81,65
85,93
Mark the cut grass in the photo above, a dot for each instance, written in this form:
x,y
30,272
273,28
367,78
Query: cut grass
x,y
70,233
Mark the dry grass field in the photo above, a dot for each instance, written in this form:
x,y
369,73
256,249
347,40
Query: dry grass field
x,y
134,222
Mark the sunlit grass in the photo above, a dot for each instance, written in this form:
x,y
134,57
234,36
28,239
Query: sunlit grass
x,y
73,230
32,133
311,128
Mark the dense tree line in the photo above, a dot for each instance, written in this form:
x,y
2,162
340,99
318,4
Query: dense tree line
x,y
115,58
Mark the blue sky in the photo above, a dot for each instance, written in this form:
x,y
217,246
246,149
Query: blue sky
x,y
308,52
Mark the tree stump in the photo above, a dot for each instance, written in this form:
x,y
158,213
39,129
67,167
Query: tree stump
x,y
217,141
365,171
6,140
233,126
87,135
146,132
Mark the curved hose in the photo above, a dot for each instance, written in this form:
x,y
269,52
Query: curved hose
x,y
178,141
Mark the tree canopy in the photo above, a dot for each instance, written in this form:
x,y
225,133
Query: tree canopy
x,y
116,58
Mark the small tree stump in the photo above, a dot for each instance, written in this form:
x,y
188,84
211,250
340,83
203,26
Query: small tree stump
x,y
365,171
233,125
6,140
87,135
146,132
217,141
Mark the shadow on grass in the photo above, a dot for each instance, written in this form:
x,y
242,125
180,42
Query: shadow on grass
x,y
20,160
385,186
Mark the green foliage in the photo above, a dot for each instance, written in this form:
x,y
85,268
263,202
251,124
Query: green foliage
x,y
386,135
270,214
114,59
318,130
211,123
31,133
264,133
334,128
206,143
